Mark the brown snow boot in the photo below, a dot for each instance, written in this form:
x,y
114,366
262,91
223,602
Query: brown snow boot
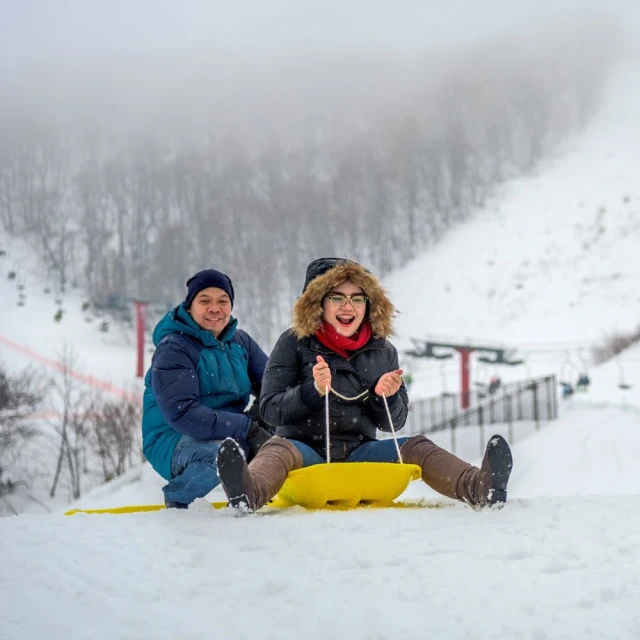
x,y
250,487
455,478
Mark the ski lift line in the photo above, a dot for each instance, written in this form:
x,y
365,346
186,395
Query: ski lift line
x,y
550,349
92,381
545,344
546,349
528,347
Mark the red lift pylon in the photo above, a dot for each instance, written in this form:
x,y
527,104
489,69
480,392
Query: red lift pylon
x,y
141,305
427,349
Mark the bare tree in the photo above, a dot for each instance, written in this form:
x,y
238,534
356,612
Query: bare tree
x,y
20,398
75,411
116,436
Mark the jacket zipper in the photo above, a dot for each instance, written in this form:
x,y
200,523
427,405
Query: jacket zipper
x,y
235,383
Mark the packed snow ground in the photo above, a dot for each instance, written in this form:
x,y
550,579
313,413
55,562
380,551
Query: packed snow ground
x,y
561,560
543,568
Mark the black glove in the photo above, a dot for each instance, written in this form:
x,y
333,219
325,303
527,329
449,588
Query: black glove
x,y
256,437
254,413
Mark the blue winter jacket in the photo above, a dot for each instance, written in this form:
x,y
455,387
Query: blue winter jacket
x,y
197,385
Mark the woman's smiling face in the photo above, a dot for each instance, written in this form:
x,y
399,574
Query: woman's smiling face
x,y
346,320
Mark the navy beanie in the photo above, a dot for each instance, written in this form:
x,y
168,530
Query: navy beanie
x,y
204,280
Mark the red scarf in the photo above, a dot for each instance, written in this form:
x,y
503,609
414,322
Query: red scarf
x,y
331,339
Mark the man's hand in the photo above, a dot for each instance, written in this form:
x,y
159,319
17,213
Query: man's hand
x,y
256,437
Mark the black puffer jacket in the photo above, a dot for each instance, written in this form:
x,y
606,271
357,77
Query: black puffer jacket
x,y
289,399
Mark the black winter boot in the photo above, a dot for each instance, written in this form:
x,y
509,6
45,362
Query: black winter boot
x,y
235,477
172,504
491,488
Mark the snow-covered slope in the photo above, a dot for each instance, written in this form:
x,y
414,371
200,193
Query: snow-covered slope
x,y
550,267
554,257
561,560
30,336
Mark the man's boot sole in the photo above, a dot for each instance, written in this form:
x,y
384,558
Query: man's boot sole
x,y
231,464
501,463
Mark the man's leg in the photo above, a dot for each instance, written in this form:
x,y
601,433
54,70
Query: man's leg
x,y
250,487
194,471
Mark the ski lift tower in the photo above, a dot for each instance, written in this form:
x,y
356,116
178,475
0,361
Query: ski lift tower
x,y
141,306
443,350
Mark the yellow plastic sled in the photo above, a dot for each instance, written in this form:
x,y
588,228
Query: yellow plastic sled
x,y
338,486
346,484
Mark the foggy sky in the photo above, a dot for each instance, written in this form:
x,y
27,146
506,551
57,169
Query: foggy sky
x,y
33,30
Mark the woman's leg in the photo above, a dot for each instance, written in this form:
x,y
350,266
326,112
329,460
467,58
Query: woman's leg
x,y
376,451
457,479
309,455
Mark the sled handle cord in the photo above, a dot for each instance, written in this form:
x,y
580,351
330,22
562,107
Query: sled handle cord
x,y
364,393
393,429
326,414
326,417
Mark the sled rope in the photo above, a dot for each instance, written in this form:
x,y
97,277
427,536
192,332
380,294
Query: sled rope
x,y
393,429
326,418
361,395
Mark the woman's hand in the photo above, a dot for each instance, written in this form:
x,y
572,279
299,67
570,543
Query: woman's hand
x,y
389,383
322,376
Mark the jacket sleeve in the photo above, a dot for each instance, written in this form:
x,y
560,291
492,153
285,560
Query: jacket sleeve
x,y
256,365
398,402
284,399
174,381
257,361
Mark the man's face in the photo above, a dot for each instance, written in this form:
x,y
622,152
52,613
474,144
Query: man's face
x,y
211,309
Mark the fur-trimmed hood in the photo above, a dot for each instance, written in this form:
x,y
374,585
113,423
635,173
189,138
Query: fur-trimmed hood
x,y
307,311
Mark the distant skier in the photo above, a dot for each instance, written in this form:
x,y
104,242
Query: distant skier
x,y
494,385
338,346
567,390
583,382
202,374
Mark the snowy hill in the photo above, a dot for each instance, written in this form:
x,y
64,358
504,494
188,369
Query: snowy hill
x,y
550,268
559,247
30,336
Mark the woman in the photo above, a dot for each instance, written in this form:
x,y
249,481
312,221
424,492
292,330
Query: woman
x,y
202,374
338,345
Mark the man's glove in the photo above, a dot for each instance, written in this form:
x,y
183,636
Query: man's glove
x,y
256,437
254,413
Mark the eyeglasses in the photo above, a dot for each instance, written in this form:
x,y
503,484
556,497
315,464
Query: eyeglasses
x,y
339,300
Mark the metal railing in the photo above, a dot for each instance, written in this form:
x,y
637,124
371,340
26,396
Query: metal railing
x,y
530,401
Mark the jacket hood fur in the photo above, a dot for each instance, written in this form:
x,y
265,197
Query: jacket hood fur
x,y
307,310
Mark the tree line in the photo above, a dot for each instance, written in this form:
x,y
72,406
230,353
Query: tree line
x,y
378,173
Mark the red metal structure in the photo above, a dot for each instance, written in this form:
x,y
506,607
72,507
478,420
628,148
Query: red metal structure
x,y
426,349
140,309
